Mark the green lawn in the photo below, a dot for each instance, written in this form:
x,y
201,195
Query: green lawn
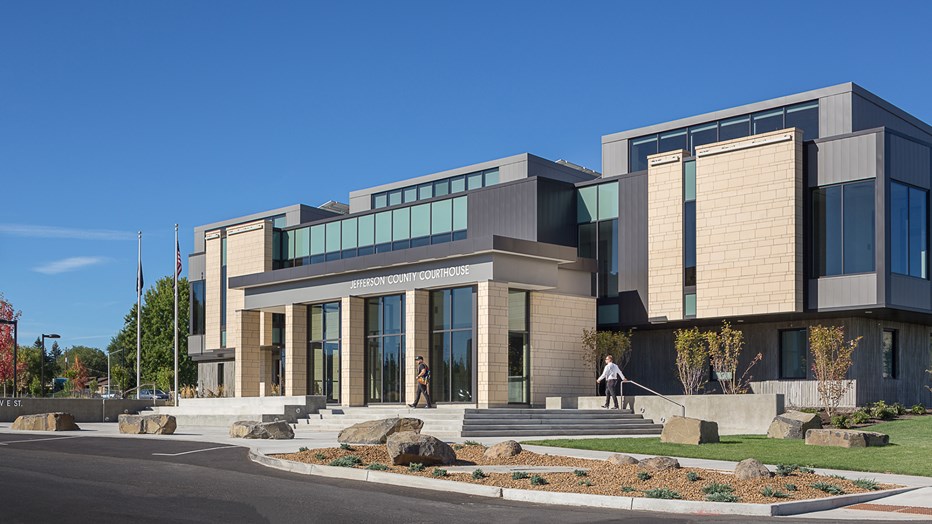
x,y
909,452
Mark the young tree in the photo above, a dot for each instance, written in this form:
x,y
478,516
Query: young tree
x,y
6,345
597,344
691,357
831,360
725,347
79,375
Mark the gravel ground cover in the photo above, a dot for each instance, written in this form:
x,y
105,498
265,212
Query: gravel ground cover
x,y
602,478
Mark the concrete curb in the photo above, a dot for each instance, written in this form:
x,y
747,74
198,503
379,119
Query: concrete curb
x,y
575,499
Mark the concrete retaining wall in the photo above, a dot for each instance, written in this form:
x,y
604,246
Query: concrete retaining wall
x,y
83,409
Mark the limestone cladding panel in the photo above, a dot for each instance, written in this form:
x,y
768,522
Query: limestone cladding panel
x,y
417,336
557,367
212,293
248,251
247,353
353,351
265,329
295,349
265,373
492,344
665,235
749,226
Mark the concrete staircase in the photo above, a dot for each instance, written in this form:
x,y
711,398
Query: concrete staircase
x,y
508,422
226,411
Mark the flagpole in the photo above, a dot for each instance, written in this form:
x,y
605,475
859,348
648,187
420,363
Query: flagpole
x,y
177,259
138,307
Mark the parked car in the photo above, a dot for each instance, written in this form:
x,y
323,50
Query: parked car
x,y
152,394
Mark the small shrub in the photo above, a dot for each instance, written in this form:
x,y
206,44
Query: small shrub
x,y
841,421
790,487
584,482
580,473
722,497
302,449
320,456
918,409
375,466
537,480
804,469
831,489
627,489
478,474
519,475
415,466
661,493
785,470
773,493
457,447
868,484
643,475
692,476
839,477
715,487
438,472
860,416
345,446
880,410
810,410
898,408
471,443
346,462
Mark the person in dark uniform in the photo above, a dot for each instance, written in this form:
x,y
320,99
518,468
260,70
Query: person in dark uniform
x,y
423,383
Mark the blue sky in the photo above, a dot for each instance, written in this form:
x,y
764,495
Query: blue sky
x,y
125,116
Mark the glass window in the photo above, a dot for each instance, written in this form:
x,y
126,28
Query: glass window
x,y
440,309
333,237
793,348
858,227
401,224
198,294
689,180
420,221
474,181
908,230
638,152
349,234
441,188
458,184
393,314
804,117
332,320
826,234
410,194
608,200
425,191
383,227
587,240
459,214
462,307
702,135
379,200
518,348
441,219
491,177
302,242
279,221
317,240
586,204
673,140
366,230
888,350
607,258
288,241
918,245
317,322
394,197
689,305
517,310
734,128
768,121
689,243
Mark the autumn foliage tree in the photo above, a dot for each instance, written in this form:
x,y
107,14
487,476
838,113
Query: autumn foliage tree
x,y
78,375
6,344
831,360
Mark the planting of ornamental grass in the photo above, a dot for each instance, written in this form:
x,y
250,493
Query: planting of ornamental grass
x,y
908,453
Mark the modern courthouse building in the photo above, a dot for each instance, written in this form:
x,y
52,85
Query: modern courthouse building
x,y
776,216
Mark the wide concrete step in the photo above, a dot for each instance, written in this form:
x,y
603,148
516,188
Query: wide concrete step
x,y
522,418
537,411
559,421
560,427
551,432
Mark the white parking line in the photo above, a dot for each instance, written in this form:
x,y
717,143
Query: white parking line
x,y
194,451
35,440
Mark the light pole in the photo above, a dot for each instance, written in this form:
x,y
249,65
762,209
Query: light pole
x,y
42,379
15,324
108,370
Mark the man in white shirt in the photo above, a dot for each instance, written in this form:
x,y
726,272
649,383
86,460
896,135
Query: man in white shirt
x,y
611,375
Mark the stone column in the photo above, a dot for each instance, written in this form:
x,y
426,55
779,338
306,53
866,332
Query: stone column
x,y
417,337
492,344
247,353
266,362
296,349
352,351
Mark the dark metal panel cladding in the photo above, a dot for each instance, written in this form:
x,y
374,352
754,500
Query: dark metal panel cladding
x,y
632,248
556,212
867,115
910,161
508,210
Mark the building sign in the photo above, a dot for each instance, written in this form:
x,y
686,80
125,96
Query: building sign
x,y
410,277
10,403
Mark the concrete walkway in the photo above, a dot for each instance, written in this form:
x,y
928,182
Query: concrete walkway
x,y
914,505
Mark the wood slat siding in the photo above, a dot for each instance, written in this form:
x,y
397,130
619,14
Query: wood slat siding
x,y
802,393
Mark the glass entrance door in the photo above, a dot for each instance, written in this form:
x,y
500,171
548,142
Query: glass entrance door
x,y
519,350
452,351
385,328
323,363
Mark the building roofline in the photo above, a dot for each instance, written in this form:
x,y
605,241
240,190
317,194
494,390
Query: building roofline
x,y
250,217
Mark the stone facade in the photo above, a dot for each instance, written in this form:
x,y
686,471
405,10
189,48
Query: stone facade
x,y
352,351
417,336
212,292
492,344
749,226
557,323
665,235
296,335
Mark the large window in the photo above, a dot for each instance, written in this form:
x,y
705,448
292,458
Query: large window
x,y
793,350
323,363
196,324
223,291
689,238
843,228
908,236
519,347
385,342
451,347
889,353
437,188
597,218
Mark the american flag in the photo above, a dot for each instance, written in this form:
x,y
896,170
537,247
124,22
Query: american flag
x,y
177,260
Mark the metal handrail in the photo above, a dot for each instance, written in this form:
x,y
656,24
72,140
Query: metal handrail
x,y
682,407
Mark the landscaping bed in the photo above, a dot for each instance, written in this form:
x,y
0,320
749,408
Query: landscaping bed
x,y
599,477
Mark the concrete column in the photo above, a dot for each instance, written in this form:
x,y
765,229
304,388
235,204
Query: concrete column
x,y
296,349
417,336
557,323
247,353
492,344
352,351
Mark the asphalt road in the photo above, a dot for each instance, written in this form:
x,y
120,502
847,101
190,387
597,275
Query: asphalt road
x,y
62,478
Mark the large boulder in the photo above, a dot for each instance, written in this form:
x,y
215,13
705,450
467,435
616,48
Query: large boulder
x,y
658,464
749,469
685,430
153,424
407,447
506,449
793,425
846,438
46,422
278,430
619,459
378,431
